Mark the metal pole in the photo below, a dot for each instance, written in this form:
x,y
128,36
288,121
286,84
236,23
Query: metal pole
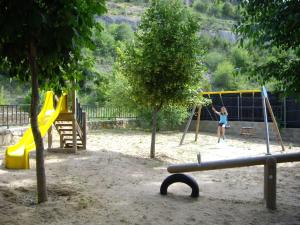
x,y
252,106
241,106
266,123
238,105
284,112
188,125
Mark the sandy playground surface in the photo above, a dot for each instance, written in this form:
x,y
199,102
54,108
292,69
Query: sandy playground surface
x,y
114,182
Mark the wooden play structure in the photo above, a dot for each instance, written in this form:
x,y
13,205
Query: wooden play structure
x,y
268,160
71,125
248,131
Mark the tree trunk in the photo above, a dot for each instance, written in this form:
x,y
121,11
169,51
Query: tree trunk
x,y
40,168
154,127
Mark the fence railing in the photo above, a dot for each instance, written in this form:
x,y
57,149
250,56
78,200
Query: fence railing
x,y
107,113
14,115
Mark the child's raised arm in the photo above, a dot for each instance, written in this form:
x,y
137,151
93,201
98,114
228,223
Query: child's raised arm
x,y
215,111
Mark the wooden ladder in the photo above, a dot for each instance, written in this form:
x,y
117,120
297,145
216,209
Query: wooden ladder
x,y
71,127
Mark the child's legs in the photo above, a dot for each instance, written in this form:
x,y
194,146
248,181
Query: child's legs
x,y
223,131
219,132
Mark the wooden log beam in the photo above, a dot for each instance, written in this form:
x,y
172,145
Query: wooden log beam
x,y
232,163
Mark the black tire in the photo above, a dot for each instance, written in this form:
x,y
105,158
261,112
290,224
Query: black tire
x,y
182,178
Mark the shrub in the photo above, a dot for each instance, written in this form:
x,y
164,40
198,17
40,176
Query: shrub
x,y
240,57
214,58
123,32
228,10
201,6
223,78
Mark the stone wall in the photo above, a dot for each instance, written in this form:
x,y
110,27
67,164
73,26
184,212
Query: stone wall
x,y
11,135
288,134
111,124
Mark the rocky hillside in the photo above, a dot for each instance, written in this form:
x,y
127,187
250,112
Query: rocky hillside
x,y
212,19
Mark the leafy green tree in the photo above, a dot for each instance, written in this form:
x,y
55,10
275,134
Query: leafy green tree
x,y
42,41
104,44
228,10
201,6
240,57
223,77
123,32
162,65
274,26
213,59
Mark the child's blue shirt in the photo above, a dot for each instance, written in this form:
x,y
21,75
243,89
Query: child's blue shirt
x,y
223,118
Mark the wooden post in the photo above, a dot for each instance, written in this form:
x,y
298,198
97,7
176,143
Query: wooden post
x,y
274,123
50,138
198,122
74,128
187,125
270,183
84,130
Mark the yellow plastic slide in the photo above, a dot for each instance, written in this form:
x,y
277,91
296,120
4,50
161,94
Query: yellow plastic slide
x,y
17,156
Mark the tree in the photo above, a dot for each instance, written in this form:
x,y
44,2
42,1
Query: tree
x,y
42,41
162,65
274,26
223,77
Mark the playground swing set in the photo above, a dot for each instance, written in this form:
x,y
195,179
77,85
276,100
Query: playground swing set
x,y
70,125
244,130
268,160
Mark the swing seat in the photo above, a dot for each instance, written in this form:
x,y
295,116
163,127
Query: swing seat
x,y
227,126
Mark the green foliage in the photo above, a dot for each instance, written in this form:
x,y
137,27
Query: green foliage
x,y
104,44
213,59
240,57
201,6
122,32
170,117
274,26
3,100
58,32
228,10
162,66
223,78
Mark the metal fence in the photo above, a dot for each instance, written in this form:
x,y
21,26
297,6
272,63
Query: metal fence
x,y
107,113
14,115
19,115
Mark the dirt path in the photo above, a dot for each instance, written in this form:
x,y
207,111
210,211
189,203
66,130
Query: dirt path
x,y
114,182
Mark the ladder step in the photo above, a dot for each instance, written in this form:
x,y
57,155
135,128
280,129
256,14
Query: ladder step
x,y
66,135
65,129
63,124
71,139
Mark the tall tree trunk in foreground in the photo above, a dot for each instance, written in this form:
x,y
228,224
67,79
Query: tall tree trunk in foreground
x,y
154,127
40,168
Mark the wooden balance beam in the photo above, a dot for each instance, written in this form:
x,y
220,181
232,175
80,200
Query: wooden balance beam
x,y
269,162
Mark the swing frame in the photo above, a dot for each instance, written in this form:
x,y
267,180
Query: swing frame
x,y
266,106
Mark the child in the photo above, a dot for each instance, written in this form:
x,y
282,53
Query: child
x,y
222,122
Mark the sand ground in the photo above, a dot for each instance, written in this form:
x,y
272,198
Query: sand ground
x,y
115,182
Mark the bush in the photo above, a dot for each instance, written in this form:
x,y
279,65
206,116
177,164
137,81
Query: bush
x,y
240,57
122,32
105,44
216,10
201,6
228,10
206,41
169,118
223,78
214,58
